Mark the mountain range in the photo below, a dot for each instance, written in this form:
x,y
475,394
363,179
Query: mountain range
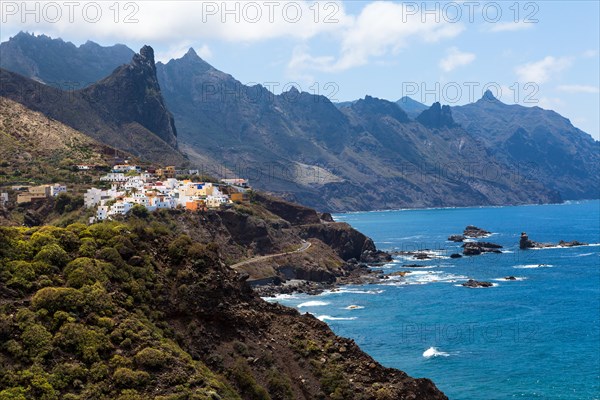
x,y
360,155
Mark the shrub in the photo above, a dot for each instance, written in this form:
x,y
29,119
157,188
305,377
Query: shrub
x,y
87,248
245,381
54,299
126,377
86,342
279,386
151,358
64,374
178,248
53,254
84,271
15,393
23,274
37,340
66,203
139,211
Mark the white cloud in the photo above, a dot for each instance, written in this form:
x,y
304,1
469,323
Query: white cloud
x,y
590,53
381,28
541,71
510,26
456,58
579,89
162,22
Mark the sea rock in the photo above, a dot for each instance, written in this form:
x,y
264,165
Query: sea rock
x,y
526,243
417,255
572,243
455,255
476,248
510,278
472,231
477,284
456,238
414,266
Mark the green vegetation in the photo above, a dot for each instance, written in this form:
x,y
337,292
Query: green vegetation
x,y
90,329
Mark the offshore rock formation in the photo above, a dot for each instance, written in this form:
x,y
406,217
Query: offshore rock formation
x,y
525,243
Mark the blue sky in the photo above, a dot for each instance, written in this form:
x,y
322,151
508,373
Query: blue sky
x,y
534,53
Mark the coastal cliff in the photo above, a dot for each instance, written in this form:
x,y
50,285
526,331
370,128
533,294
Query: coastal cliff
x,y
146,307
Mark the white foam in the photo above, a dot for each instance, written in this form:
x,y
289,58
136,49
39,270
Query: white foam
x,y
312,304
532,266
517,278
353,291
565,247
353,307
579,255
434,352
279,297
330,318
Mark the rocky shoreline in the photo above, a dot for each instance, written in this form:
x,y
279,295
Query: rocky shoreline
x,y
364,271
353,273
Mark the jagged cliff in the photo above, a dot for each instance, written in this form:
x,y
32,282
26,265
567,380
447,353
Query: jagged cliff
x,y
125,110
147,308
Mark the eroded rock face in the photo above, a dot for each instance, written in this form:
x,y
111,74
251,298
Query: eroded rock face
x,y
471,283
476,248
295,214
456,238
472,231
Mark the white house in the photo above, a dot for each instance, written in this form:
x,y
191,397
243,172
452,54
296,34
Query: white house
x,y
114,177
57,189
93,196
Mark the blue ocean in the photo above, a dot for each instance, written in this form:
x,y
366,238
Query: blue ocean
x,y
535,337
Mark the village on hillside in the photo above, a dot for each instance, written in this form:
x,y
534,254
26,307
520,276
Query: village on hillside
x,y
131,185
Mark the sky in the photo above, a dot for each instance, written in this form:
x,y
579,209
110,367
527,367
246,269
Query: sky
x,y
543,53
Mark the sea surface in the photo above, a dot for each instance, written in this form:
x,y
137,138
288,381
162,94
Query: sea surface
x,y
537,337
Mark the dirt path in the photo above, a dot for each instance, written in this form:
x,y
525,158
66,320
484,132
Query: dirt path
x,y
305,246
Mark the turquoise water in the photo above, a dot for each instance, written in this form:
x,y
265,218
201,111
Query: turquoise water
x,y
534,338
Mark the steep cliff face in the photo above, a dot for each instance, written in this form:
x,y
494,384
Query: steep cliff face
x,y
542,144
124,110
131,94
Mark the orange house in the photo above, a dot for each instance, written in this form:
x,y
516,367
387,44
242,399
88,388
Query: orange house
x,y
239,197
196,205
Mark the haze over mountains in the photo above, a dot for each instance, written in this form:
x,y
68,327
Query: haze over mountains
x,y
366,154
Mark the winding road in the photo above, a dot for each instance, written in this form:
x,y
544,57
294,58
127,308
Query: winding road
x,y
305,246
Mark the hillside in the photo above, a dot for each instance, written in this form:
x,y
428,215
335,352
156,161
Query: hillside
x,y
34,148
137,309
361,155
124,110
366,156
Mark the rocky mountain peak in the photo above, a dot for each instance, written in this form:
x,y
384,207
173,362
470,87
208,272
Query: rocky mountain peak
x,y
144,58
437,116
191,53
132,94
488,97
375,106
